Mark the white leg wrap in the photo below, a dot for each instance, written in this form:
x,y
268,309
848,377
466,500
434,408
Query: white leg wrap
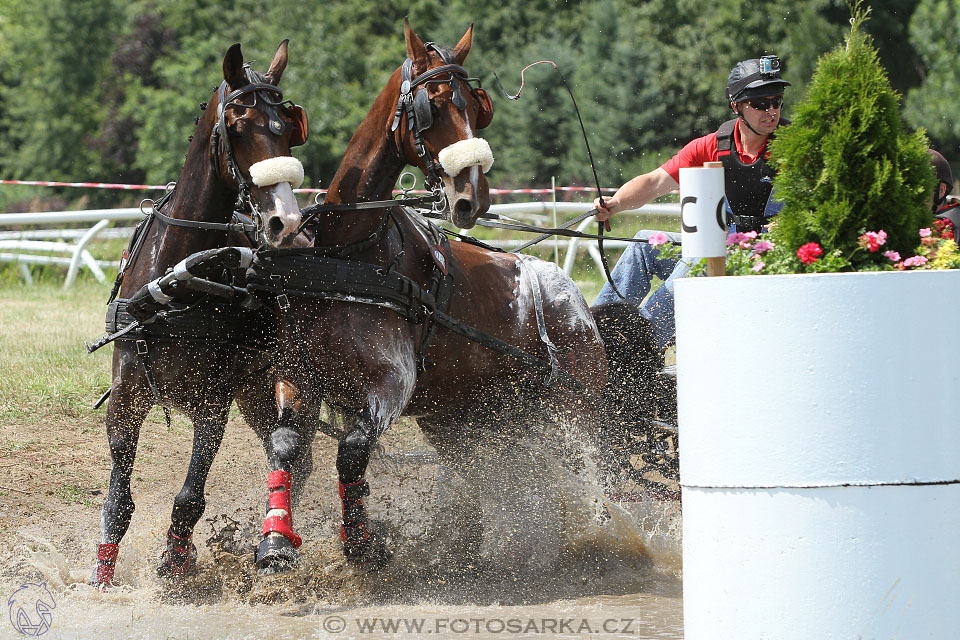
x,y
276,170
466,153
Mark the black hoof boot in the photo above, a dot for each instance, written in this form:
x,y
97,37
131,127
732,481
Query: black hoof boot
x,y
275,554
179,558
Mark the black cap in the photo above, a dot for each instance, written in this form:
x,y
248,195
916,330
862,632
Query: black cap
x,y
942,169
754,78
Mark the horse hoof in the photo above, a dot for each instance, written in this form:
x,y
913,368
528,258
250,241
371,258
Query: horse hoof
x,y
371,551
99,584
275,555
177,562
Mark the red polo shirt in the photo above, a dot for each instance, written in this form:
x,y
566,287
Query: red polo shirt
x,y
702,150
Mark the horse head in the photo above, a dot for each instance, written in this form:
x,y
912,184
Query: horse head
x,y
438,115
254,131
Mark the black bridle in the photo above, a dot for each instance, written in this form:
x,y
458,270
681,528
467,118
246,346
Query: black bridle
x,y
414,102
221,149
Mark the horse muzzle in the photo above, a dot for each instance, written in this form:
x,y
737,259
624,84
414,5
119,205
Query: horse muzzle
x,y
278,177
466,188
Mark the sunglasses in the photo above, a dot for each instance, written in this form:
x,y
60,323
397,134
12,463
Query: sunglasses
x,y
762,104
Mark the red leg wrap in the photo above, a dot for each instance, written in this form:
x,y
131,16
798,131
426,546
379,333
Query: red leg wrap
x,y
276,524
354,534
106,563
279,484
181,547
353,531
279,480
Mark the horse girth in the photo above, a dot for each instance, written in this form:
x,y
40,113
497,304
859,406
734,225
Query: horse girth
x,y
203,322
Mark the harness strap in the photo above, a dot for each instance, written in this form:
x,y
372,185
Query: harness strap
x,y
210,226
551,377
441,287
283,272
143,350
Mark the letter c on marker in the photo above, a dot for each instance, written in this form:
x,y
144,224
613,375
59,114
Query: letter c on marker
x,y
721,215
683,223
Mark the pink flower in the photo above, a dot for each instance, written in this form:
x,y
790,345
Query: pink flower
x,y
925,232
872,240
763,246
657,239
736,238
758,265
809,253
915,261
893,255
749,236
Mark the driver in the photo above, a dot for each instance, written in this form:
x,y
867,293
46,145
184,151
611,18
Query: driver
x,y
942,208
755,94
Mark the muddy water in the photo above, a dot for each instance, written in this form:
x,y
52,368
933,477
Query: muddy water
x,y
523,548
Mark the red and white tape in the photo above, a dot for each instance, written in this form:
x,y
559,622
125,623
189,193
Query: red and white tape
x,y
149,187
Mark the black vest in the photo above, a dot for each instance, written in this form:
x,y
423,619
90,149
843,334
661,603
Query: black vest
x,y
747,186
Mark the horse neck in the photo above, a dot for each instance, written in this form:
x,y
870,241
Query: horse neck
x,y
200,195
369,170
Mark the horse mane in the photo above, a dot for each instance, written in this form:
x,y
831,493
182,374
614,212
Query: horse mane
x,y
253,76
445,52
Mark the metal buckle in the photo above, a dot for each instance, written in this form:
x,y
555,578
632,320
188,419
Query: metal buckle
x,y
142,348
283,302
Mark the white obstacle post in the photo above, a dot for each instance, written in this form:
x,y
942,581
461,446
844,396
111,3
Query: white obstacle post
x,y
819,456
703,224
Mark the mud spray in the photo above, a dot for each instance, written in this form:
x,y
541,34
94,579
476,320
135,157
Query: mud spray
x,y
517,533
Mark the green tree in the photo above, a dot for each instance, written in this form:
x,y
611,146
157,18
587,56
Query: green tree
x,y
55,56
847,165
933,104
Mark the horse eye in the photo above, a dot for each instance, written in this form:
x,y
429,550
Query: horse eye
x,y
434,110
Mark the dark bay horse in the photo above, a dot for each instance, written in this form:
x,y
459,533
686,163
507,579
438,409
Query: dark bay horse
x,y
239,155
373,360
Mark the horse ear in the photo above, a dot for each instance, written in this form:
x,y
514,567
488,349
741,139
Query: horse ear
x,y
233,71
279,63
416,50
463,47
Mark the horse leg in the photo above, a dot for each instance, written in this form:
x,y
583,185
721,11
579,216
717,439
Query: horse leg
x,y
126,412
180,556
287,447
353,456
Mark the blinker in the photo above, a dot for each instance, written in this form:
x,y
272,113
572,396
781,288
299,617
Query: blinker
x,y
422,110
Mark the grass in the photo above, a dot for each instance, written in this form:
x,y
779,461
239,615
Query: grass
x,y
74,494
45,370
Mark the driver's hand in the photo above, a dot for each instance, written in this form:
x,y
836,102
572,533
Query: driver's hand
x,y
605,208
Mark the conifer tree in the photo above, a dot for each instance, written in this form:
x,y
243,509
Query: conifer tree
x,y
846,164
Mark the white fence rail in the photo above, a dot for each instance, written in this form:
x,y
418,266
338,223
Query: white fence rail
x,y
41,246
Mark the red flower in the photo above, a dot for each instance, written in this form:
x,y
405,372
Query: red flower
x,y
809,253
943,229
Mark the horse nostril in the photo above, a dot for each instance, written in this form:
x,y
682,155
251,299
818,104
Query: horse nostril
x,y
276,226
463,207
